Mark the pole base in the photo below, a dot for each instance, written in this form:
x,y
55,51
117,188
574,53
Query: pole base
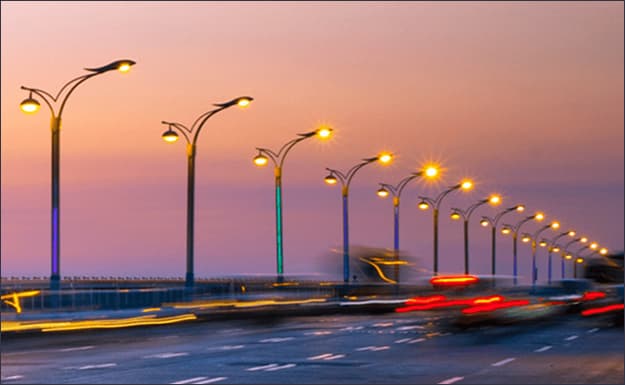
x,y
189,281
55,282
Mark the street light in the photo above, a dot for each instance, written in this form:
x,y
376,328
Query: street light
x,y
386,189
345,178
566,255
534,237
426,202
262,159
31,105
466,215
191,135
507,229
553,247
486,221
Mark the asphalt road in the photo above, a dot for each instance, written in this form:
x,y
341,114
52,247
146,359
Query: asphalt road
x,y
390,348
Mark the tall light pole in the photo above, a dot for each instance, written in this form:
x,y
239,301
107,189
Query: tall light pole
x,y
579,260
386,189
346,179
507,229
191,134
31,105
553,247
436,204
466,216
566,255
277,158
493,224
534,237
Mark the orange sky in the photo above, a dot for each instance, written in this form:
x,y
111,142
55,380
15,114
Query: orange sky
x,y
527,98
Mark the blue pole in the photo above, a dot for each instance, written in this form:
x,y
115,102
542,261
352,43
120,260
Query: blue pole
x,y
396,235
345,238
279,249
514,258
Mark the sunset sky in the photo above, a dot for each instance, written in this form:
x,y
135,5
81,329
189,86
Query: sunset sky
x,y
526,98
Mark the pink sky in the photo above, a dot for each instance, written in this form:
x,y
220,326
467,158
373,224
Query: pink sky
x,y
526,98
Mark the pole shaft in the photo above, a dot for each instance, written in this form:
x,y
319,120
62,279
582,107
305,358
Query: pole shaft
x,y
493,250
190,278
396,236
514,258
562,268
345,238
435,241
534,268
549,268
279,245
466,247
55,276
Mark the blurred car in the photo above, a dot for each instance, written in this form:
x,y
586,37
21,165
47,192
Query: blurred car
x,y
605,269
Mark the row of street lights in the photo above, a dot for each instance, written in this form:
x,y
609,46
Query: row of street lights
x,y
190,134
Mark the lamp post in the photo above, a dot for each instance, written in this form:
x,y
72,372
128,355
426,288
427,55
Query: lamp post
x,y
578,260
277,158
466,216
553,247
346,179
386,189
566,255
31,105
493,224
436,203
507,229
190,135
553,225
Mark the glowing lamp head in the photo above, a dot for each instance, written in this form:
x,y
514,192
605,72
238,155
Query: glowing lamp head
x,y
170,136
539,216
484,222
331,179
583,239
526,238
568,256
385,158
244,102
520,208
579,260
603,251
494,200
30,105
431,171
466,185
555,249
324,132
382,192
555,225
124,66
261,160
571,233
455,215
423,205
506,230
594,245
542,243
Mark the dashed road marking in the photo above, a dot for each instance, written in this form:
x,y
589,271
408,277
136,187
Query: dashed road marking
x,y
318,333
373,348
451,380
351,328
190,380
287,366
403,340
9,378
543,349
571,338
503,362
262,367
383,324
167,355
278,339
412,327
76,349
334,357
320,357
99,366
416,340
211,380
593,330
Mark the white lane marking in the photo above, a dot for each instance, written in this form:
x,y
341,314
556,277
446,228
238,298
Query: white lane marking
x,y
190,380
503,362
451,380
280,367
543,349
211,380
16,377
402,340
319,333
167,355
320,357
373,348
99,366
416,340
571,338
593,330
263,367
334,357
76,349
351,328
226,347
410,327
272,340
383,324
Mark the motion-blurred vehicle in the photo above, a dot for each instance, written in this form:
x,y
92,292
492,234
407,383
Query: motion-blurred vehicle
x,y
605,269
